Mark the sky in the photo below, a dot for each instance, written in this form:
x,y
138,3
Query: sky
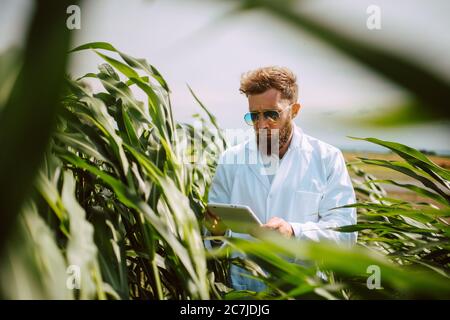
x,y
191,43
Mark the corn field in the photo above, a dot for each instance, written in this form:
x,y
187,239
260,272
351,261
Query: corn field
x,y
120,199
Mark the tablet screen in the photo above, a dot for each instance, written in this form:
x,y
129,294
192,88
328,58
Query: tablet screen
x,y
238,218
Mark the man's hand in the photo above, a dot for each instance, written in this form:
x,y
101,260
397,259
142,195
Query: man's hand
x,y
279,225
213,224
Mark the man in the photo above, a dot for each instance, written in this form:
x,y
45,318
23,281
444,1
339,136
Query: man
x,y
309,179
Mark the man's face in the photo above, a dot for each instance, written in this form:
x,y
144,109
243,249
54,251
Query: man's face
x,y
272,100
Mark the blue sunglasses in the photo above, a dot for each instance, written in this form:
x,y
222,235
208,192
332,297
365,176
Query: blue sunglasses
x,y
272,115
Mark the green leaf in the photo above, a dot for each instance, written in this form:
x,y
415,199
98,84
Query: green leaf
x,y
415,158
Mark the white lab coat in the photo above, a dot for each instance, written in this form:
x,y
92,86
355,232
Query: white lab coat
x,y
311,179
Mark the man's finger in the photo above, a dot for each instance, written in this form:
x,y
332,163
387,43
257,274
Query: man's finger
x,y
211,215
272,225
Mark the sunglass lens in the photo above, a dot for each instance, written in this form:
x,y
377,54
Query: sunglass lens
x,y
251,118
271,115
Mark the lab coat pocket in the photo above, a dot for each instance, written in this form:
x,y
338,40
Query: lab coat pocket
x,y
306,205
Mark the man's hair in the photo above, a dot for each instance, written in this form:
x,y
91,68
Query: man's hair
x,y
273,77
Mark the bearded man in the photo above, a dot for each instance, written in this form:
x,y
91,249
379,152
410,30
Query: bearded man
x,y
296,196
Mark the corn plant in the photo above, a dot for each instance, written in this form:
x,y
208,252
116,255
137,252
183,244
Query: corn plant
x,y
408,233
141,193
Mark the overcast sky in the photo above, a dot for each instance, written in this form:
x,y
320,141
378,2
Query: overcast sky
x,y
189,43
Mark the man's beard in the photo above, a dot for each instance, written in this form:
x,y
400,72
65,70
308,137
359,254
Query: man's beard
x,y
282,134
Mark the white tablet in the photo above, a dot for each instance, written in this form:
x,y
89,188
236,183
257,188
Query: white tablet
x,y
238,218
